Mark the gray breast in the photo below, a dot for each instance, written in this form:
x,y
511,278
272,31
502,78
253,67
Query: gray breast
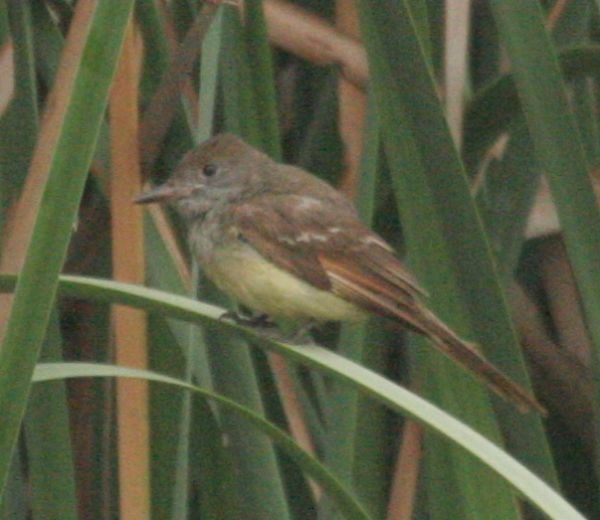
x,y
209,234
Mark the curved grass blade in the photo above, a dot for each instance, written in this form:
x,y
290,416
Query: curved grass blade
x,y
344,500
393,396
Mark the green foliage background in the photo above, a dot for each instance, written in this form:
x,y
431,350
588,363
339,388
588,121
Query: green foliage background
x,y
218,410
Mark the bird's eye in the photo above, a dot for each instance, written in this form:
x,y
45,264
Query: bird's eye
x,y
209,170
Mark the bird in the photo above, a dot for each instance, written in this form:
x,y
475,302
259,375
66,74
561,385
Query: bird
x,y
286,244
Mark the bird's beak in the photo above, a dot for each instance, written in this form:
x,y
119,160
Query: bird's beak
x,y
162,193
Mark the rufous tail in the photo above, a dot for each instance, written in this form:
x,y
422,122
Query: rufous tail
x,y
465,354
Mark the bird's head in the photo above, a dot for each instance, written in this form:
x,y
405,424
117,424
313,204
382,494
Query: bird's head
x,y
219,170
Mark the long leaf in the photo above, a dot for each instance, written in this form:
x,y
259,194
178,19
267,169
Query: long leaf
x,y
393,396
236,375
68,159
348,412
344,500
19,124
560,154
49,450
494,107
454,261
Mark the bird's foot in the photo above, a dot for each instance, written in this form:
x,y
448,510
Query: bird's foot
x,y
264,325
260,321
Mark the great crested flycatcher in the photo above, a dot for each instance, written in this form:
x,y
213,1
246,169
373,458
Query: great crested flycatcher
x,y
287,244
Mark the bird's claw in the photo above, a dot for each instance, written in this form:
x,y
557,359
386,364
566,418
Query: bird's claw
x,y
261,321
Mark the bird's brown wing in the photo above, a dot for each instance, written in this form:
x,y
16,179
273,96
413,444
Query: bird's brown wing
x,y
271,232
330,249
334,251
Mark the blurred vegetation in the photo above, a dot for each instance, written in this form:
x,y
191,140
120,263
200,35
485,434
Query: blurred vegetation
x,y
467,135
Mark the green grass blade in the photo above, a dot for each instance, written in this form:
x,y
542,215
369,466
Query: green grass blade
x,y
494,108
443,228
48,42
49,451
156,55
235,374
346,407
209,72
239,108
506,198
35,291
164,414
196,353
19,123
377,387
212,465
13,504
260,67
559,152
344,500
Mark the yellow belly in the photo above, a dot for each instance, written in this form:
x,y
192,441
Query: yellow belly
x,y
241,272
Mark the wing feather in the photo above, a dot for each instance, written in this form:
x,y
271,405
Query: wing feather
x,y
268,230
334,251
325,245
